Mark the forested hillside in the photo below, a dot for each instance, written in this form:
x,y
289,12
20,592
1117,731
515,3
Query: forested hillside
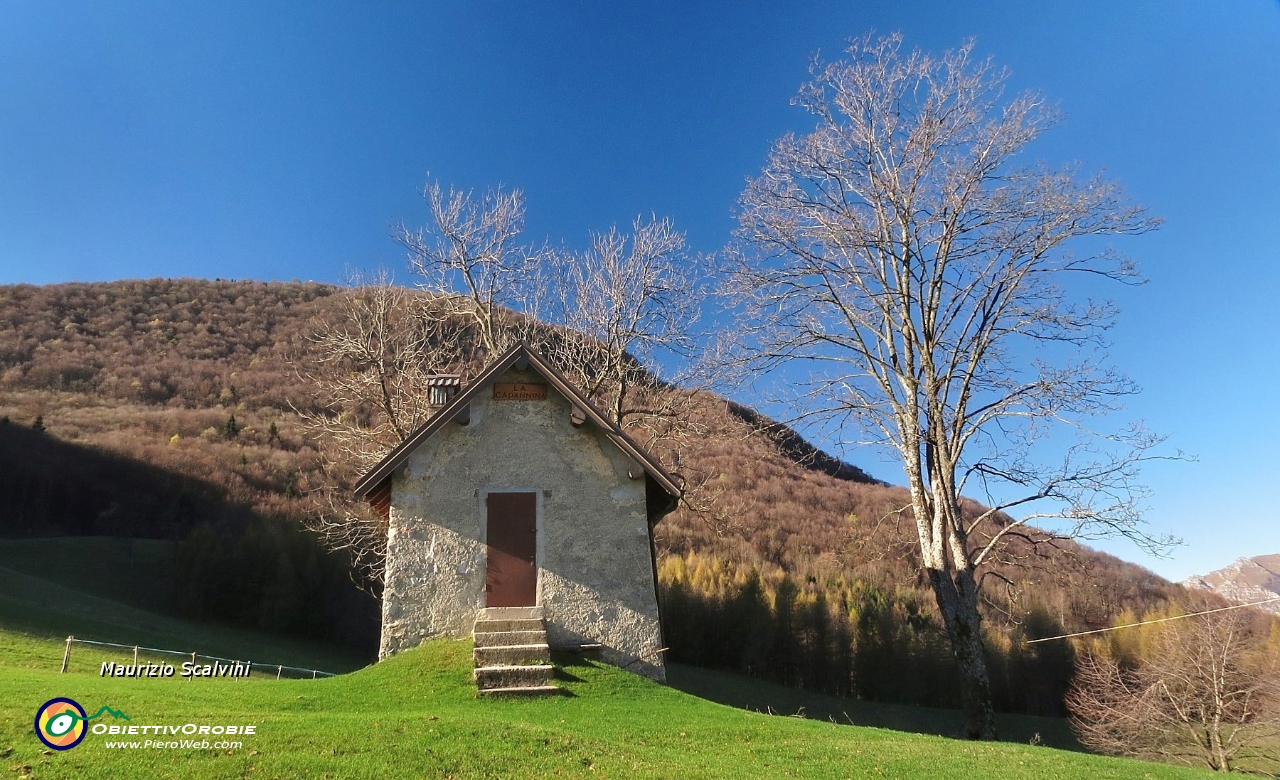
x,y
168,409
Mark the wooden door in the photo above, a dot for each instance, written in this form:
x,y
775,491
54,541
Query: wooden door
x,y
512,576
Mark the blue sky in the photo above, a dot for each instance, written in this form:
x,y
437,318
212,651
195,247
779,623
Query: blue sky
x,y
276,141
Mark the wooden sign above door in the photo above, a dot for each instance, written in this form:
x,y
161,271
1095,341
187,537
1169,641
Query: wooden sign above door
x,y
519,391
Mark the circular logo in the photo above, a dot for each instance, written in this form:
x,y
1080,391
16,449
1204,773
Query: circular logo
x,y
60,723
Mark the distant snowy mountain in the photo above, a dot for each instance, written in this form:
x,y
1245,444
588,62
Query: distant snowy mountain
x,y
1247,580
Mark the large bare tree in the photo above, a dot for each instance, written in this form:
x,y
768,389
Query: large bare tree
x,y
908,270
1205,694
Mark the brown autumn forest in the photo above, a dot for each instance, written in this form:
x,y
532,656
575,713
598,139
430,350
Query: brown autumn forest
x,y
165,409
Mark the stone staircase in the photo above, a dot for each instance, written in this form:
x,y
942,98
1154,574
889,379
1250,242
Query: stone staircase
x,y
511,653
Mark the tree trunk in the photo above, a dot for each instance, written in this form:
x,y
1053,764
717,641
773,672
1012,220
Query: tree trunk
x,y
1219,761
958,602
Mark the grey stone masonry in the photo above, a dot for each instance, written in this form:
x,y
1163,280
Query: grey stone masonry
x,y
512,657
594,559
570,500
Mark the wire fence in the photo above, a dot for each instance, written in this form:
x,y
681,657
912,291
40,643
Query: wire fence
x,y
194,664
1156,620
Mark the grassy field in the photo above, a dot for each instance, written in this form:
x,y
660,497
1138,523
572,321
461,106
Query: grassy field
x,y
416,715
759,696
100,589
136,572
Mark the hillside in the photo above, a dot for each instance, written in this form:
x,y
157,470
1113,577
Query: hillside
x,y
168,412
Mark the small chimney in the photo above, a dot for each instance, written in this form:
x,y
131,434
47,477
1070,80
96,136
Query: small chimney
x,y
441,388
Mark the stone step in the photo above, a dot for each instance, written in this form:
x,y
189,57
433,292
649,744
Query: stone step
x,y
510,613
511,655
488,677
507,624
538,690
508,638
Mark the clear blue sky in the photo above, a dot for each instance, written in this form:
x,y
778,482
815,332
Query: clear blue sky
x,y
255,140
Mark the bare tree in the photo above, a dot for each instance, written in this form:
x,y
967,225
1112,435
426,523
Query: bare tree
x,y
469,254
623,300
622,304
1205,695
615,305
906,269
369,366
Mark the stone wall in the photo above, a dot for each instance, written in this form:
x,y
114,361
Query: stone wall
x,y
595,572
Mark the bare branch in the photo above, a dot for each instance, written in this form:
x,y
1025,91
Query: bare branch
x,y
469,255
369,367
1206,694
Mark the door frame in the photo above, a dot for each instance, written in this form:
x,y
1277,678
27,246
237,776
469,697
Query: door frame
x,y
483,495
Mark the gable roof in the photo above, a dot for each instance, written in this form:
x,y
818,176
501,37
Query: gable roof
x,y
520,352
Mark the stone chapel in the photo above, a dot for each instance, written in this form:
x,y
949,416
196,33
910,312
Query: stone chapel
x,y
519,493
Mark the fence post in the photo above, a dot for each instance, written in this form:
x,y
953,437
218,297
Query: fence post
x,y
135,656
313,674
66,655
193,663
279,669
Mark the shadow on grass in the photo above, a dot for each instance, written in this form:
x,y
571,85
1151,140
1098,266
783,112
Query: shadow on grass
x,y
565,660
562,693
43,609
564,676
759,696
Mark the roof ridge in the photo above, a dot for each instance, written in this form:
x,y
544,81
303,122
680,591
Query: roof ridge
x,y
396,457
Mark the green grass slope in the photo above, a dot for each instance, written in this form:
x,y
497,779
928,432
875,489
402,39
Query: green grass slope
x,y
416,716
137,572
99,589
762,696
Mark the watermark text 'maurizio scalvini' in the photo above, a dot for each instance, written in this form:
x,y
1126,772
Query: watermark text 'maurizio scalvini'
x,y
189,669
